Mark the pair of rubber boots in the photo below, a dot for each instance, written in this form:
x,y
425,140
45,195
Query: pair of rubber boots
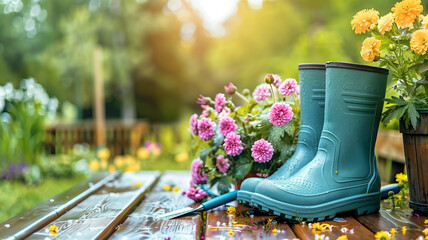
x,y
333,169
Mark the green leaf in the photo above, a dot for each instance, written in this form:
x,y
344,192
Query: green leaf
x,y
423,68
413,115
224,184
394,112
204,154
242,170
397,101
218,138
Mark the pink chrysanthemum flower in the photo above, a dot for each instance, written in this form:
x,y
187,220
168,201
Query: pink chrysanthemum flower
x,y
197,194
194,124
206,111
262,151
206,129
222,164
232,144
280,114
198,176
230,89
288,87
261,92
224,113
220,102
277,80
227,125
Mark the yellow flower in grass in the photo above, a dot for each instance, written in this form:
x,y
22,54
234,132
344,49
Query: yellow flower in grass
x,y
143,153
406,11
118,161
370,49
364,19
94,165
385,23
103,154
382,235
53,230
182,157
419,44
343,237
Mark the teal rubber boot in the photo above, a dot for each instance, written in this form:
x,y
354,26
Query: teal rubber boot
x,y
343,176
312,101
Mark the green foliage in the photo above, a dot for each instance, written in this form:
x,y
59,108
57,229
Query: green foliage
x,y
400,199
22,125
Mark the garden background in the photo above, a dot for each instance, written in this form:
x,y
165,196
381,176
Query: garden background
x,y
157,57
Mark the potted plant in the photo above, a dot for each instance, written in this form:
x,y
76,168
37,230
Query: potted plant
x,y
233,141
399,42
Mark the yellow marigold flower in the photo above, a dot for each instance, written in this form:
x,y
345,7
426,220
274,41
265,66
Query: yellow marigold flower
x,y
94,165
319,227
53,230
400,177
364,19
426,222
103,154
231,233
406,11
419,44
182,157
370,49
167,187
274,231
176,189
143,153
404,229
425,22
343,237
425,231
392,231
382,235
385,23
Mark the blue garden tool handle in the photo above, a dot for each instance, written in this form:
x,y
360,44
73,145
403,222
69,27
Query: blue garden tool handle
x,y
220,200
384,190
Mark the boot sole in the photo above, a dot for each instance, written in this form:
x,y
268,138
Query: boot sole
x,y
244,197
359,205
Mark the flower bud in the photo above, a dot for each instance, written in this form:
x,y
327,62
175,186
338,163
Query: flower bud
x,y
246,92
392,47
269,78
376,58
230,89
390,193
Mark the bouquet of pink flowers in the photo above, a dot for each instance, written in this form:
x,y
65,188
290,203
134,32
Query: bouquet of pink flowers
x,y
232,141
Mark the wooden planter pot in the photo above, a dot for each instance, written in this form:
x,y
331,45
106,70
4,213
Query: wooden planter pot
x,y
416,153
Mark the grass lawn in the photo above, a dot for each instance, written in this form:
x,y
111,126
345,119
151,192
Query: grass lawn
x,y
16,197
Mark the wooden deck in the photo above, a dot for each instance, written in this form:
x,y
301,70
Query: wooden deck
x,y
122,207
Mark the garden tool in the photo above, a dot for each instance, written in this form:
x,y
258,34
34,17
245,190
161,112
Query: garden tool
x,y
343,176
231,196
312,97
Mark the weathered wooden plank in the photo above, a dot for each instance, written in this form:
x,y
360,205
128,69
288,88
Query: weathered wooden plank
x,y
141,224
246,224
97,216
50,209
387,219
339,226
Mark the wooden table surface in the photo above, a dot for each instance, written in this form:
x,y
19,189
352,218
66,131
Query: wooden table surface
x,y
125,209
